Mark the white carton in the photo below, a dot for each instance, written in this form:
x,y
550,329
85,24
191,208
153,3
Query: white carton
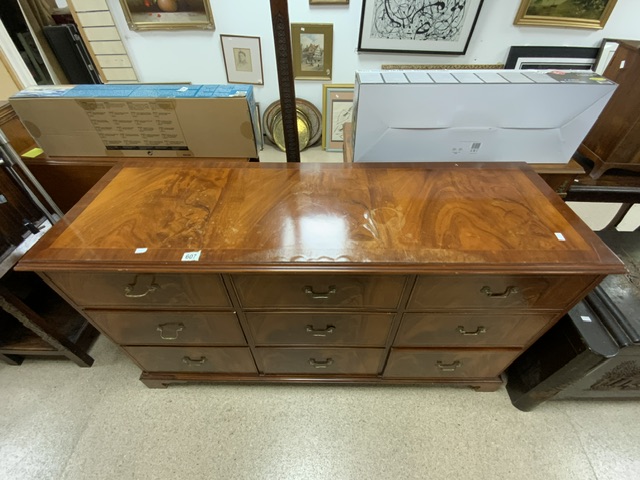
x,y
481,116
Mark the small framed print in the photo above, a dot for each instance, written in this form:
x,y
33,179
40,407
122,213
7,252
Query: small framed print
x,y
337,109
242,59
312,45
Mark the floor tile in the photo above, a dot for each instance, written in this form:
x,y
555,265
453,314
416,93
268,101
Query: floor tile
x,y
610,432
319,432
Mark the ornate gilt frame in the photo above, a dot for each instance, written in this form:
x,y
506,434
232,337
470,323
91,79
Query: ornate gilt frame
x,y
168,25
541,21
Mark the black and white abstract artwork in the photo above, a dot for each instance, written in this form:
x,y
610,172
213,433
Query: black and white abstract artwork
x,y
419,26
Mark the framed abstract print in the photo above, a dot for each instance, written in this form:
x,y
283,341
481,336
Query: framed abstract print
x,y
420,26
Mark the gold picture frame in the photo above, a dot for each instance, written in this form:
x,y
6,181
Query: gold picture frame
x,y
312,46
337,109
438,66
168,14
328,2
563,13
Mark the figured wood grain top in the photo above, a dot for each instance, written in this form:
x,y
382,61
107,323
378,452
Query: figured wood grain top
x,y
395,218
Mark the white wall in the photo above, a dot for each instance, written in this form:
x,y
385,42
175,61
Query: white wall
x,y
196,56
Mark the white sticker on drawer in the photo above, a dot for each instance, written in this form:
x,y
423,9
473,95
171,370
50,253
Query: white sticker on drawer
x,y
140,250
585,318
191,256
560,237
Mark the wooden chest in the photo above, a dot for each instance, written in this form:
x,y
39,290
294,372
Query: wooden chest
x,y
385,273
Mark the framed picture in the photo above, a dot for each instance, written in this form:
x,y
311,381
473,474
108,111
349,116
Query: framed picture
x,y
607,50
242,59
337,108
422,26
550,58
565,13
442,66
168,14
312,45
328,2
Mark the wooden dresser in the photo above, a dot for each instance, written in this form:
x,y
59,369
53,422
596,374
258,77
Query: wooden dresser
x,y
379,273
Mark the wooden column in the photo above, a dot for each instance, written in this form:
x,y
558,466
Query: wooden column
x,y
282,41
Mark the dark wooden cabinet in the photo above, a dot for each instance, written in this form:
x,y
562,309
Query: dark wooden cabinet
x,y
593,352
383,273
36,321
614,140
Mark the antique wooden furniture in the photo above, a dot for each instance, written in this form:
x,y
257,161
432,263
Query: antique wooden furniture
x,y
34,320
66,179
593,352
560,177
382,273
614,140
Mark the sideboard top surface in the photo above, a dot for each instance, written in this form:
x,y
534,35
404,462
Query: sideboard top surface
x,y
398,218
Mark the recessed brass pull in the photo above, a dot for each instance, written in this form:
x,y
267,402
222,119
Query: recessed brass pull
x,y
321,332
320,363
194,362
129,289
448,367
169,331
487,291
477,331
319,295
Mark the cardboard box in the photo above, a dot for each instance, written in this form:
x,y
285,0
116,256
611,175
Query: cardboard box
x,y
484,116
141,120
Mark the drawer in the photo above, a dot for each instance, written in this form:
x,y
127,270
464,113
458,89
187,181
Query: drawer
x,y
470,329
193,359
166,328
358,291
320,361
130,289
486,291
461,363
344,329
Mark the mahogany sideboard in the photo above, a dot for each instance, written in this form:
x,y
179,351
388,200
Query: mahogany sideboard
x,y
345,273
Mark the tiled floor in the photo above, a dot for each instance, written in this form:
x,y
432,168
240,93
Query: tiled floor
x,y
58,421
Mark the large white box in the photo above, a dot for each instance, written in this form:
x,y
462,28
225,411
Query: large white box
x,y
480,116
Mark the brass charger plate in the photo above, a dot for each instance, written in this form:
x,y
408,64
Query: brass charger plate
x,y
311,114
315,119
304,130
267,119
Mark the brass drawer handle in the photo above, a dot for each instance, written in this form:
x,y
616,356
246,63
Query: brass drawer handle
x,y
320,363
193,362
487,291
478,331
321,332
448,367
319,295
172,330
128,290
